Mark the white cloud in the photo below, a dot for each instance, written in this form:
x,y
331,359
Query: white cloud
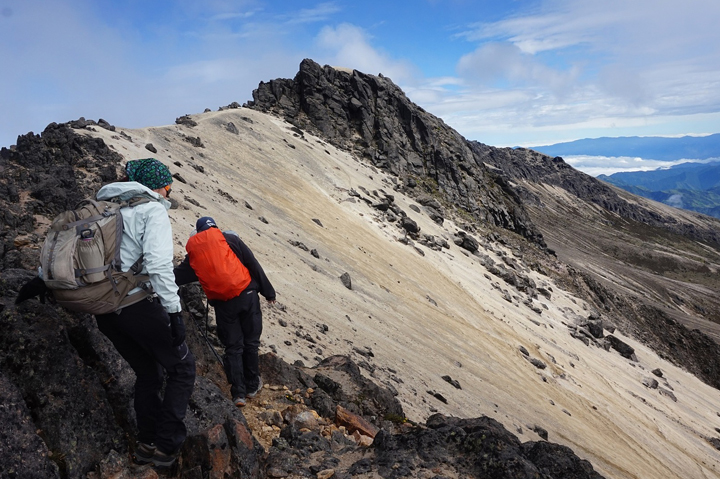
x,y
347,45
604,165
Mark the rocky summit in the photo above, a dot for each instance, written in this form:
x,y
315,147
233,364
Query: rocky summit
x,y
445,308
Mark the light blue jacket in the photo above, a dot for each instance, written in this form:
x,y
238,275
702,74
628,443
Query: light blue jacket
x,y
147,231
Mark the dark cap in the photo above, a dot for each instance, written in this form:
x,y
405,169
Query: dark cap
x,y
204,223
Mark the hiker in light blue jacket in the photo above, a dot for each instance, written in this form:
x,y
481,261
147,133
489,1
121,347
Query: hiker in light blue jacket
x,y
148,331
150,334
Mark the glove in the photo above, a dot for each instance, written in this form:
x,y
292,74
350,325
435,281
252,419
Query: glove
x,y
177,329
34,287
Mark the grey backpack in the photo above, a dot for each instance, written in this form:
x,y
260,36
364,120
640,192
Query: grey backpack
x,y
80,259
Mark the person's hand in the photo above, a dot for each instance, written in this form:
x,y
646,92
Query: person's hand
x,y
177,329
34,287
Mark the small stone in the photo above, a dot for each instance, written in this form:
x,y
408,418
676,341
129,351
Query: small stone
x,y
650,383
277,472
20,242
362,439
325,474
540,431
438,396
537,363
452,381
178,177
667,393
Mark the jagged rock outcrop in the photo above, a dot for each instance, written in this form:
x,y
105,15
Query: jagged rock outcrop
x,y
371,116
57,169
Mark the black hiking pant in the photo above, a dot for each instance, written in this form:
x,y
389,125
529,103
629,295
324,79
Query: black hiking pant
x,y
239,326
141,334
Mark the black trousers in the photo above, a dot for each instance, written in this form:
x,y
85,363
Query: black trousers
x,y
141,334
239,326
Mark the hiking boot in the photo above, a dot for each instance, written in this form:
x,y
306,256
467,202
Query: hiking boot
x,y
239,401
144,453
255,392
163,461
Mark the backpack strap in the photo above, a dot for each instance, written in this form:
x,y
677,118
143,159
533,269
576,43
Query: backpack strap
x,y
137,265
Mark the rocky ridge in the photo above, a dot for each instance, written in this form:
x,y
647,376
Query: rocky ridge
x,y
519,190
67,395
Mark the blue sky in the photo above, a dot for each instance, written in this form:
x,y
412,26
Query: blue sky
x,y
506,73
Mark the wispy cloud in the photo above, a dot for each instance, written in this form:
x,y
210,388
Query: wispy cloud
x,y
232,16
319,13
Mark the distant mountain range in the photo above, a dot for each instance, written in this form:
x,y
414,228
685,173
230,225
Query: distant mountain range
x,y
691,186
647,147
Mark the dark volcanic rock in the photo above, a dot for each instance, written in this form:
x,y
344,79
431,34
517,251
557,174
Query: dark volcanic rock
x,y
36,349
622,347
186,120
479,447
346,280
409,225
370,115
466,241
22,451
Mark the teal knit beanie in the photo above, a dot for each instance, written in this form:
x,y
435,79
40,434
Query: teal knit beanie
x,y
148,172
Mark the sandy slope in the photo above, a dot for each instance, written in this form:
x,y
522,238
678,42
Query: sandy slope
x,y
423,316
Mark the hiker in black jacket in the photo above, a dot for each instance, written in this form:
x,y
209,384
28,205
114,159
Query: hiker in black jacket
x,y
232,289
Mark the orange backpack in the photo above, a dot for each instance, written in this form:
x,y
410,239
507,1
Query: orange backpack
x,y
220,272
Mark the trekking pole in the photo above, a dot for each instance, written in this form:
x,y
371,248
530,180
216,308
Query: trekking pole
x,y
204,333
